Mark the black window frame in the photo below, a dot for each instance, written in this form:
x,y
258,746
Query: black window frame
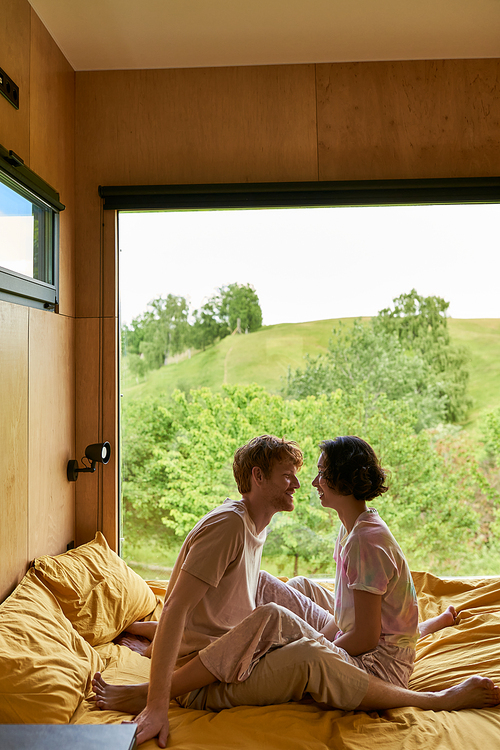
x,y
15,287
301,194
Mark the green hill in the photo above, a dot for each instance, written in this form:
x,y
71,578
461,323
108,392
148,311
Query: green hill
x,y
264,357
482,338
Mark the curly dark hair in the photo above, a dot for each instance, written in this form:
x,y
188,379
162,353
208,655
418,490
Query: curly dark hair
x,y
263,451
351,467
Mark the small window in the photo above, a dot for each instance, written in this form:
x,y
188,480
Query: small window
x,y
29,241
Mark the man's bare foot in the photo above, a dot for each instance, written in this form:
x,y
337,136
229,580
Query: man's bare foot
x,y
130,699
476,692
136,643
444,620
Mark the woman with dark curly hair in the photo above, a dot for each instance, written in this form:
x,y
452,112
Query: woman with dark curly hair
x,y
376,612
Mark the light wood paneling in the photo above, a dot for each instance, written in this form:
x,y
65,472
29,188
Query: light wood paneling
x,y
253,124
37,366
15,60
52,432
88,260
185,126
88,420
52,138
97,409
412,119
110,264
14,442
110,476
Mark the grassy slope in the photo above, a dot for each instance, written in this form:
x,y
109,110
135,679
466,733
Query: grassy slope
x,y
482,338
264,357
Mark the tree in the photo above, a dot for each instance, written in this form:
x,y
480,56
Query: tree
x,y
421,326
405,353
208,326
240,302
376,363
491,431
416,320
158,333
220,314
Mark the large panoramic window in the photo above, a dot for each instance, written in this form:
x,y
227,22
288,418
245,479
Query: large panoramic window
x,y
381,321
29,232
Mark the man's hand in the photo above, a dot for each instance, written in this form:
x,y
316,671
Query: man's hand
x,y
151,724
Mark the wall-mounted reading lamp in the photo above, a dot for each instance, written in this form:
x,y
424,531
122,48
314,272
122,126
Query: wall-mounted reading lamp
x,y
95,453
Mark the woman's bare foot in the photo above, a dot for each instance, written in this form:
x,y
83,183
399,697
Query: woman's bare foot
x,y
444,620
137,643
129,699
476,692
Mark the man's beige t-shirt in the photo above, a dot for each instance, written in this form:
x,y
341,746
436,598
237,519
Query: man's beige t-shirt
x,y
224,550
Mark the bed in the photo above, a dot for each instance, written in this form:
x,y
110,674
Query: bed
x,y
57,628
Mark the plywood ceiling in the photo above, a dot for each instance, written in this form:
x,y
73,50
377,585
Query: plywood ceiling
x,y
127,34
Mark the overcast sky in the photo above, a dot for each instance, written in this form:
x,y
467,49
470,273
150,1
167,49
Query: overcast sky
x,y
314,264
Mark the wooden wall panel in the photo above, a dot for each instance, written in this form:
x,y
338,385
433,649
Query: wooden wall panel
x,y
415,119
52,141
37,366
15,18
110,418
88,421
51,432
97,405
186,126
251,124
14,442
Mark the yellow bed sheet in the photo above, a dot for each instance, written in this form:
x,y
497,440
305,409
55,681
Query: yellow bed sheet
x,y
443,659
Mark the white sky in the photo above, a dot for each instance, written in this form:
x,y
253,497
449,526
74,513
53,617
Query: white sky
x,y
16,243
314,264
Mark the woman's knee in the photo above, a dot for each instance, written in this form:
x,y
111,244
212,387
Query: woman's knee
x,y
298,582
270,610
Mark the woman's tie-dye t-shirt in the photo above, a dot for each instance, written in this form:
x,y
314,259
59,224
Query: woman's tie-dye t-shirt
x,y
370,559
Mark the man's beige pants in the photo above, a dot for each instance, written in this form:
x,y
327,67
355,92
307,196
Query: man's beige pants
x,y
277,654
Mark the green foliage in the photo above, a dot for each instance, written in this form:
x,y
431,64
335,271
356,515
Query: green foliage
x,y
164,330
421,326
404,353
482,341
491,433
208,326
239,302
158,333
182,453
220,315
379,379
417,321
264,357
377,364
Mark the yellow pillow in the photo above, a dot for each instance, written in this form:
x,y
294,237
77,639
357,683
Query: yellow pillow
x,y
45,666
97,591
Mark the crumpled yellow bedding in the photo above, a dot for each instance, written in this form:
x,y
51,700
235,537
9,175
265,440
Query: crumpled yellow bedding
x,y
443,659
